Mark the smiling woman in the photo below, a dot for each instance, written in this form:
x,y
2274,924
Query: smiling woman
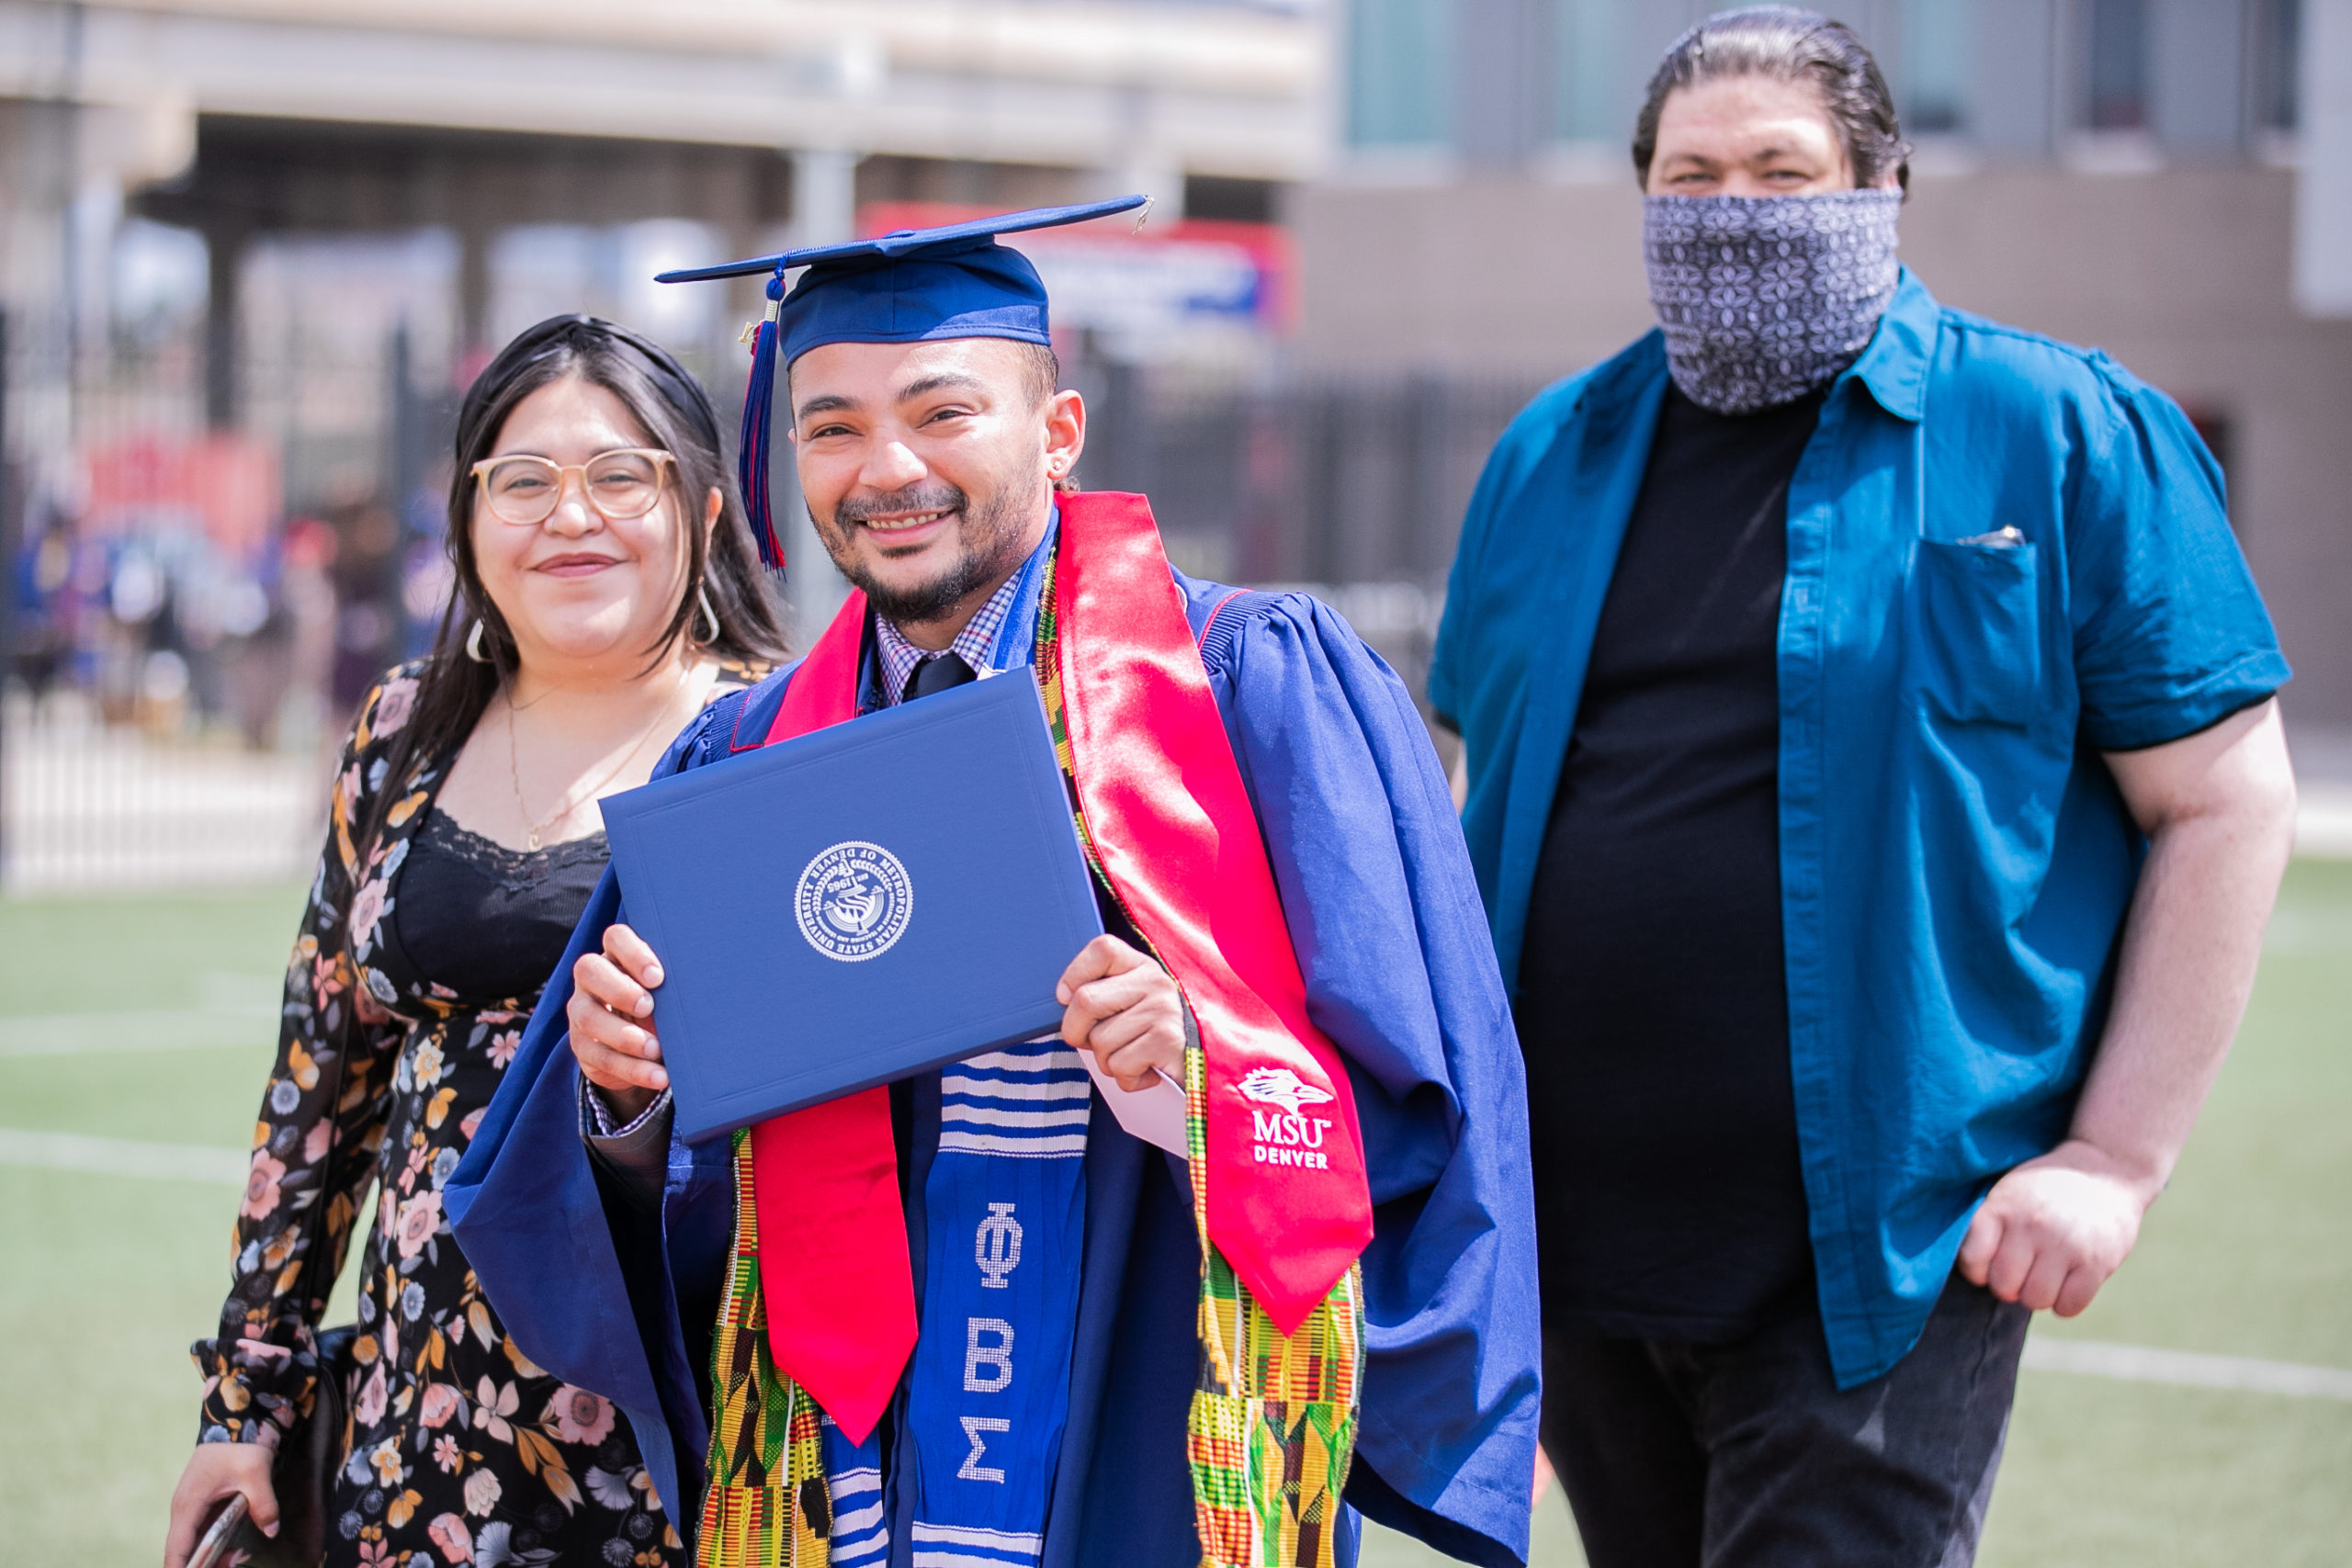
x,y
607,588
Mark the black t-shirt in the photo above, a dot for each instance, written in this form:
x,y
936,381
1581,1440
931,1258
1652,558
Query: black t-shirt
x,y
1653,1004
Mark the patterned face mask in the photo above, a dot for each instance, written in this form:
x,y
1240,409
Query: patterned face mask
x,y
1764,298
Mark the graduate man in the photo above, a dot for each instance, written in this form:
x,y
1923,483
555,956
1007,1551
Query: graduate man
x,y
1127,1356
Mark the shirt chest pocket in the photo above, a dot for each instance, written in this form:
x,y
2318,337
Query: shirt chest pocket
x,y
1972,634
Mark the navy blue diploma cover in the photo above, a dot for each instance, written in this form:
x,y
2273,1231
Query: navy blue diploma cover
x,y
857,905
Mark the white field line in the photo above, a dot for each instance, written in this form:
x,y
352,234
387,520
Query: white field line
x,y
121,1157
2184,1369
173,1028
2083,1358
2324,820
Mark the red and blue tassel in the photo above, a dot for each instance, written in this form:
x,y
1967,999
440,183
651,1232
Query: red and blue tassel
x,y
759,403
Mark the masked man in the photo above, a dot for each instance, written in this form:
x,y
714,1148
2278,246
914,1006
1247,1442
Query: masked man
x,y
1876,790
1152,1357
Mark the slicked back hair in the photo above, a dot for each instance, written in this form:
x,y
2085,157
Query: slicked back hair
x,y
1788,45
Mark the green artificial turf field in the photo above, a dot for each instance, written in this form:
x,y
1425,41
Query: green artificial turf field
x,y
109,1276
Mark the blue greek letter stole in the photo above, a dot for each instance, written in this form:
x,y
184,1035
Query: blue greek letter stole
x,y
861,1513
988,1392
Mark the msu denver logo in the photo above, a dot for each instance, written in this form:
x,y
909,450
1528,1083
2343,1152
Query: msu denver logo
x,y
854,901
1286,1136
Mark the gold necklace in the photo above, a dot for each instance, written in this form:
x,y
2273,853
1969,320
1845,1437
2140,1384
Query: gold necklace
x,y
515,772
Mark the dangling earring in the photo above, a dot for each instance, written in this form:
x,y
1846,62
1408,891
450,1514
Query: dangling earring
x,y
705,615
473,644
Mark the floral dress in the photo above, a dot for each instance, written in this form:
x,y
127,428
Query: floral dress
x,y
461,1449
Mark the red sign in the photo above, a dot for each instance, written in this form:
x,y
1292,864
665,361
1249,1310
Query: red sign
x,y
224,483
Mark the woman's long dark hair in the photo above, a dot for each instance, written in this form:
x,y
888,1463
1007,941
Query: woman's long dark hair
x,y
675,411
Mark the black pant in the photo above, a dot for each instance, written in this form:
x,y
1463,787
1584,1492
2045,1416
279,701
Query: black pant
x,y
1747,1455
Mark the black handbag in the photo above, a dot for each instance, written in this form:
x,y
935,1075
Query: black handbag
x,y
302,1475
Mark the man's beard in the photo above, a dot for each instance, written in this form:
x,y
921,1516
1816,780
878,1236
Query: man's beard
x,y
991,537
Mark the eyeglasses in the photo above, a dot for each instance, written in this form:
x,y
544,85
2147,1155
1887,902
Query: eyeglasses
x,y
621,485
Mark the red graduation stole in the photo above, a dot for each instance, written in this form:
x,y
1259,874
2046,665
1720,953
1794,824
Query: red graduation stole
x,y
1171,821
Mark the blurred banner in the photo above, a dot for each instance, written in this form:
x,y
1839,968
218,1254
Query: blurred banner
x,y
224,484
1195,289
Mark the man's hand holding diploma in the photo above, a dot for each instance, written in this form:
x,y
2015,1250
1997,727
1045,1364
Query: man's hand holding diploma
x,y
611,1014
1118,1004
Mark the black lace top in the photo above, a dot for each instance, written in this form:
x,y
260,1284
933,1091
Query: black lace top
x,y
485,921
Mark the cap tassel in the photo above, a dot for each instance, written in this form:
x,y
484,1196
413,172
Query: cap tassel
x,y
759,403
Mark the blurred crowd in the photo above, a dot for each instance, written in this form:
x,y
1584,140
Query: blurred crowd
x,y
176,631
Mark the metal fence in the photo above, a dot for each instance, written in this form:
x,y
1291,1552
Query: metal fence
x,y
193,605
85,806
1308,479
1351,488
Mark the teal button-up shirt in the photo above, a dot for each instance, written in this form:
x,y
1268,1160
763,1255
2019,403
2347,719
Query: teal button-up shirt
x,y
1955,861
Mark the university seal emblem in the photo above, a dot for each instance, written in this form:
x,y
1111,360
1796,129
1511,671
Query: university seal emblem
x,y
854,901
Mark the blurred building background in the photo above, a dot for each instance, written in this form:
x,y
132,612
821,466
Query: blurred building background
x,y
251,251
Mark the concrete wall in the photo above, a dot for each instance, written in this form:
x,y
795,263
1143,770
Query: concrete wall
x,y
2184,274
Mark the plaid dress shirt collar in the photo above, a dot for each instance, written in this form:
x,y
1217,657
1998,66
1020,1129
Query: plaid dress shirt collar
x,y
972,645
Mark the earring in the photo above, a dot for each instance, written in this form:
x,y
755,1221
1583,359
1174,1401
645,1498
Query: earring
x,y
473,644
705,615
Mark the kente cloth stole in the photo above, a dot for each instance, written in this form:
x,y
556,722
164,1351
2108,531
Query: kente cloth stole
x,y
1279,1192
1272,1425
766,1504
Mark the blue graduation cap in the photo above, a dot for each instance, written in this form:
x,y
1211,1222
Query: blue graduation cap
x,y
908,286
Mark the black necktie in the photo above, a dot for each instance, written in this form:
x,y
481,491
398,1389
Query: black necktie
x,y
937,675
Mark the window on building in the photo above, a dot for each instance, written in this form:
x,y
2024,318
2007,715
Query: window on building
x,y
1400,72
1589,95
2118,98
2277,59
1939,55
1230,200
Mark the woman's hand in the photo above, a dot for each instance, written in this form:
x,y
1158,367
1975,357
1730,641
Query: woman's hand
x,y
611,1016
1121,1005
215,1473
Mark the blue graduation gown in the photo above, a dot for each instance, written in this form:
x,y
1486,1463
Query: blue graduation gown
x,y
1400,974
